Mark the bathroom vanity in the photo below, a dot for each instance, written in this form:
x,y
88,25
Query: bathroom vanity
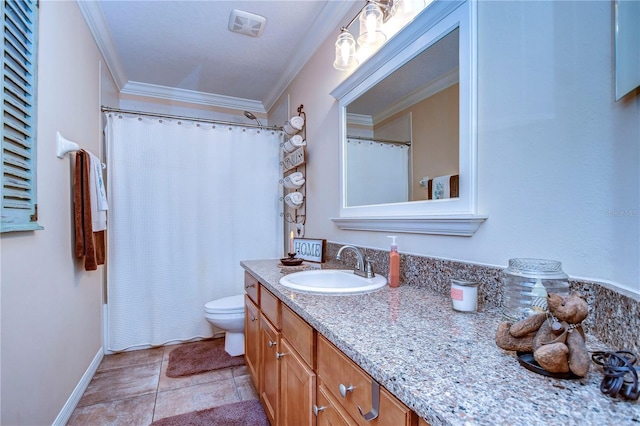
x,y
316,358
300,375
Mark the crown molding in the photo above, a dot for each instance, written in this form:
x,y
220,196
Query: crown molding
x,y
100,31
359,120
333,12
438,84
323,26
191,96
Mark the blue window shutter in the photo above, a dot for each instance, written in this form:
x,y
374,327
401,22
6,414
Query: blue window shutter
x,y
19,72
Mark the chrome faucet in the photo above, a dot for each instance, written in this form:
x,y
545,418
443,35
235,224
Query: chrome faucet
x,y
363,266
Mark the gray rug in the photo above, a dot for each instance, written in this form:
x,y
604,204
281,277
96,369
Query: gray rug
x,y
200,357
244,413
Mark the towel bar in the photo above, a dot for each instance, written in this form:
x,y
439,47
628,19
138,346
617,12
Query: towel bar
x,y
65,146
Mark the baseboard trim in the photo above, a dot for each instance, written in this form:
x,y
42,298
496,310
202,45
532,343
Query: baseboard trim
x,y
72,402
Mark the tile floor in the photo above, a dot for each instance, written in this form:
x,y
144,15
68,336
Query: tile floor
x,y
131,388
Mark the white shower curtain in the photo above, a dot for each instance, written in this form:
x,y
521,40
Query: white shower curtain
x,y
187,203
378,173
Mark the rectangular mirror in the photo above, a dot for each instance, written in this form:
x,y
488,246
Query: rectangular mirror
x,y
408,129
401,138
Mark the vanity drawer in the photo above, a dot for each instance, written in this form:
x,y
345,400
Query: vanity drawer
x,y
251,287
270,307
336,369
299,334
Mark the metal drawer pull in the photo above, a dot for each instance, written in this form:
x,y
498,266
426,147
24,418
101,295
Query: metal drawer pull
x,y
272,344
280,355
249,286
344,390
375,402
317,409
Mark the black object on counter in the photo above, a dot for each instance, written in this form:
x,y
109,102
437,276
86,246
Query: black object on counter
x,y
527,361
620,375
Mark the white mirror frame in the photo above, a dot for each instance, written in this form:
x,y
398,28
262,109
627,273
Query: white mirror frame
x,y
454,216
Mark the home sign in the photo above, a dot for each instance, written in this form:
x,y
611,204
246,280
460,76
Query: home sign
x,y
309,249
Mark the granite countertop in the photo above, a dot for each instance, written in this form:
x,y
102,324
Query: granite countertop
x,y
444,364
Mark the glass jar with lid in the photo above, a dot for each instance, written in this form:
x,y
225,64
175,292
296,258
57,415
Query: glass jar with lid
x,y
526,283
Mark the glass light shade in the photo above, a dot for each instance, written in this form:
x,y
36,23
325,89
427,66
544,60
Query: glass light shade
x,y
371,26
345,52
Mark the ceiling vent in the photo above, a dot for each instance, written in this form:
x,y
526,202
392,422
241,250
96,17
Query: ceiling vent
x,y
246,23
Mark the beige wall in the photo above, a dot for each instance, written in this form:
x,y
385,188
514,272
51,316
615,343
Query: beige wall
x,y
435,137
51,307
558,158
434,148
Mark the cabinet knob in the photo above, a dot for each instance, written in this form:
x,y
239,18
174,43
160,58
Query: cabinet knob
x,y
280,355
344,389
254,318
272,344
317,409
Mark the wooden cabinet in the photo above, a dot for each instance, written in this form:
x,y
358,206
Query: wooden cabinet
x,y
299,334
302,378
269,369
297,388
328,411
356,391
251,287
252,339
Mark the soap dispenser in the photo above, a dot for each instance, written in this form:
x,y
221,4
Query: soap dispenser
x,y
394,263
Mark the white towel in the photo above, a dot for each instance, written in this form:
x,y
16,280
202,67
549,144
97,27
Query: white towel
x,y
98,195
440,188
294,143
294,181
297,122
294,199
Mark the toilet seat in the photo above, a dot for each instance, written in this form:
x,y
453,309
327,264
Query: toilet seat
x,y
226,305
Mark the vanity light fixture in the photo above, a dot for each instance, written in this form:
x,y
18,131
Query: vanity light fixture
x,y
371,26
373,16
345,51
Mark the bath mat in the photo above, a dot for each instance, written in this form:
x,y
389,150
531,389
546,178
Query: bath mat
x,y
244,413
200,357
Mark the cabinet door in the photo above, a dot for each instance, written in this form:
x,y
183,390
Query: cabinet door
x,y
329,412
351,387
251,287
269,369
252,340
297,388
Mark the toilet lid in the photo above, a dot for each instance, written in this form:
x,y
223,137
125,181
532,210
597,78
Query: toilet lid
x,y
226,304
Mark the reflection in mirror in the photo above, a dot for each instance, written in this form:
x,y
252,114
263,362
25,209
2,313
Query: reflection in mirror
x,y
403,134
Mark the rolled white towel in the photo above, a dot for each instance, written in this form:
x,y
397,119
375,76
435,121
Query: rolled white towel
x,y
297,122
294,199
294,125
294,181
294,143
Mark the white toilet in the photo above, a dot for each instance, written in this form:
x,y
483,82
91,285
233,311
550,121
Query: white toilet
x,y
227,313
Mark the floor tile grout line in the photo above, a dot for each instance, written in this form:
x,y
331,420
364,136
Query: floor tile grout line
x,y
155,401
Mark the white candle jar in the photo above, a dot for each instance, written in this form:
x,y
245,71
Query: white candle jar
x,y
464,295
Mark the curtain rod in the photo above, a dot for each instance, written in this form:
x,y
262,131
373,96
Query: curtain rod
x,y
362,138
179,117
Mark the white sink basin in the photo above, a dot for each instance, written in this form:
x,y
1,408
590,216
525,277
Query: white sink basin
x,y
332,281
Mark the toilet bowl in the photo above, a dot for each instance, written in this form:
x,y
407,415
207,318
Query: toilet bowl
x,y
227,313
